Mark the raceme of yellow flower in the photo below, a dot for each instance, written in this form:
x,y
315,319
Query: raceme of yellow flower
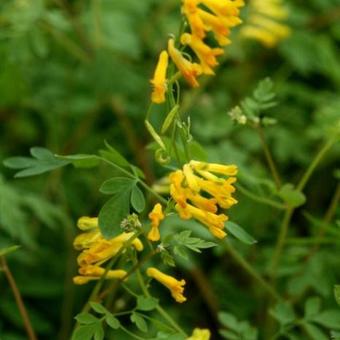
x,y
159,80
175,286
96,250
200,334
264,22
203,16
199,193
156,216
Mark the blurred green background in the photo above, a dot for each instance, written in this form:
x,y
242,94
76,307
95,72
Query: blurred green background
x,y
76,73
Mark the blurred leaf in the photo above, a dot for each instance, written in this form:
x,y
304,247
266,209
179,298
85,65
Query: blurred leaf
x,y
239,233
284,313
8,250
84,332
117,185
329,318
86,318
112,214
312,307
314,332
81,160
112,321
337,293
146,303
292,196
137,199
97,307
43,161
139,322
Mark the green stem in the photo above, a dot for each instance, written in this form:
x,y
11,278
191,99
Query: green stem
x,y
325,148
259,199
269,158
252,272
289,212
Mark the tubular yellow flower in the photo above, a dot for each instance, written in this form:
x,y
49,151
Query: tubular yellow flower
x,y
223,7
191,11
264,22
176,287
156,216
189,70
159,80
200,334
199,192
111,274
205,53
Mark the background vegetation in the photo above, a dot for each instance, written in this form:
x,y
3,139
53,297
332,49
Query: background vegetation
x,y
75,73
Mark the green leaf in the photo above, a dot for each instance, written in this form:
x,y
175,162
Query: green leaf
x,y
8,250
146,303
43,161
84,332
228,320
99,333
337,294
139,322
81,160
117,185
292,196
284,313
239,233
312,307
86,318
112,321
137,199
229,335
314,332
97,307
329,318
112,214
112,155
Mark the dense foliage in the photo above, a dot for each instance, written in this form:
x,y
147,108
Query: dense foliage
x,y
74,78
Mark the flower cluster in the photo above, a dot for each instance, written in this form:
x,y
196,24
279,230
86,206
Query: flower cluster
x,y
203,16
96,250
265,22
199,193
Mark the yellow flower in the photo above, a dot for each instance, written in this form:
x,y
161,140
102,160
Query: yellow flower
x,y
188,69
103,250
96,250
191,11
199,193
175,286
205,53
264,22
118,274
159,80
156,216
200,334
223,8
